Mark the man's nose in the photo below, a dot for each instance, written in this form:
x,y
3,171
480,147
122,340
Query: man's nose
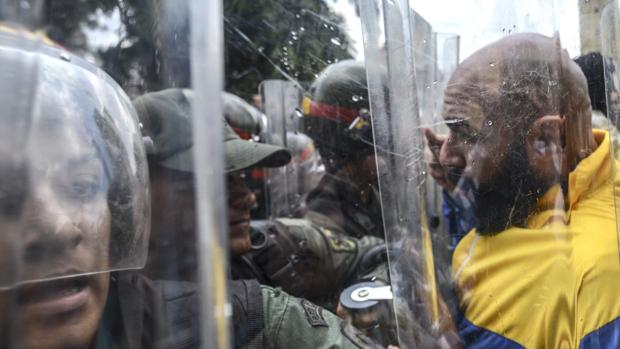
x,y
242,198
451,154
249,199
49,229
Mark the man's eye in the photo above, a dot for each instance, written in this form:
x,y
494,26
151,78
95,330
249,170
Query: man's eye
x,y
472,137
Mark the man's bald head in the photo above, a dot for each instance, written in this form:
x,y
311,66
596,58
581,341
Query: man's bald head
x,y
517,80
526,65
522,107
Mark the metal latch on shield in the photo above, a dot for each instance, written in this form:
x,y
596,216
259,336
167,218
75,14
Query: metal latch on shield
x,y
365,295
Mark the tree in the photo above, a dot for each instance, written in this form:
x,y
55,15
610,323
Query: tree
x,y
264,39
133,61
276,39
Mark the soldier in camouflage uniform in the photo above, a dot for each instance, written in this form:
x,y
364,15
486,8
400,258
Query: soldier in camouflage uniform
x,y
337,118
263,317
304,258
346,201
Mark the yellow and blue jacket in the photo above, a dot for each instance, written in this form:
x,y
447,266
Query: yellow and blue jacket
x,y
556,283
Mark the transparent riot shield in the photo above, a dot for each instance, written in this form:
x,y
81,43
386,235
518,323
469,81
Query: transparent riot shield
x,y
112,235
610,34
281,99
446,60
286,187
331,255
390,55
610,54
532,178
207,80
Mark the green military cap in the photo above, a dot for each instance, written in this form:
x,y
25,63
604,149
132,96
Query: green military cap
x,y
166,118
242,154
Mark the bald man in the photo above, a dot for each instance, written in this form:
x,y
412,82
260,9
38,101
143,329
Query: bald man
x,y
540,269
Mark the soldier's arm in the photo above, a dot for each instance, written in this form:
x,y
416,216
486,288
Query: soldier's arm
x,y
292,322
310,261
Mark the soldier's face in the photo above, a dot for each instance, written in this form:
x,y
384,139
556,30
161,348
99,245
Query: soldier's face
x,y
240,202
55,222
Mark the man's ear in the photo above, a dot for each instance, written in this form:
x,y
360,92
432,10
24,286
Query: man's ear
x,y
545,147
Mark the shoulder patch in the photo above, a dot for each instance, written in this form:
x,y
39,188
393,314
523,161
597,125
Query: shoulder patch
x,y
342,244
314,314
339,242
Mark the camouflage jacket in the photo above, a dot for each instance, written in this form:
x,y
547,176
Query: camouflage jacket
x,y
338,205
308,260
264,317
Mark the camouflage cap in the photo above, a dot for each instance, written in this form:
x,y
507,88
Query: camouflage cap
x,y
166,118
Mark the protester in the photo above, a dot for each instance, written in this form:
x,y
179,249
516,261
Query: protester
x,y
541,266
593,68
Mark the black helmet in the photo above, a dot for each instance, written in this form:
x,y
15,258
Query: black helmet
x,y
337,114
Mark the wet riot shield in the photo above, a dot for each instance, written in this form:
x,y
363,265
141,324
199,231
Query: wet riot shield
x,y
527,166
521,176
390,56
112,235
610,34
332,253
281,103
446,60
207,79
610,54
532,175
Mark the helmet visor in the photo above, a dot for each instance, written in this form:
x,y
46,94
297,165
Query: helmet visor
x,y
73,195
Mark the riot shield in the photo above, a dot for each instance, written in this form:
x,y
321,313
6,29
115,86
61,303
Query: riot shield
x,y
286,187
332,254
281,99
207,81
610,34
447,59
610,53
388,29
531,178
102,242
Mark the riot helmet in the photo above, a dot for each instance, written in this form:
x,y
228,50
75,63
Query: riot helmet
x,y
74,197
245,120
306,161
337,114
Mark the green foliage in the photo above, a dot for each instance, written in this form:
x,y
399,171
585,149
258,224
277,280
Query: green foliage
x,y
273,39
264,39
133,61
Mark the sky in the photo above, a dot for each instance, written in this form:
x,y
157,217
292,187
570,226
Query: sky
x,y
109,31
479,22
476,22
